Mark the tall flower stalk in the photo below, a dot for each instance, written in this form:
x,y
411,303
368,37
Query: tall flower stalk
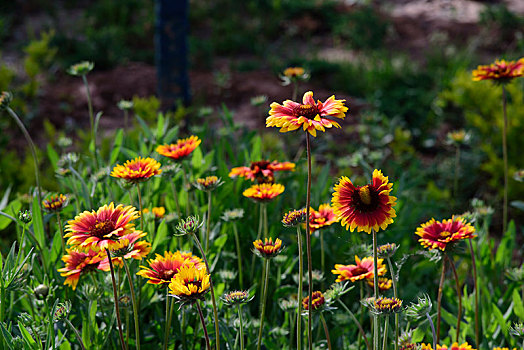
x,y
263,304
203,325
475,284
459,294
237,298
501,73
190,226
308,247
375,290
135,305
439,297
115,296
5,99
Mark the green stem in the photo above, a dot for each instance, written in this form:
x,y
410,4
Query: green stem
x,y
439,297
208,223
140,206
183,329
375,290
203,325
264,212
459,295
167,327
185,172
361,284
308,244
259,233
475,284
505,157
394,282
360,329
33,153
135,306
21,248
78,337
213,300
322,256
115,295
59,219
241,328
432,330
300,288
263,305
385,339
326,331
239,255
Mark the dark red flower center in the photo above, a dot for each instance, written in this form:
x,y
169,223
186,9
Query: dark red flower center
x,y
102,228
359,271
308,111
365,199
168,274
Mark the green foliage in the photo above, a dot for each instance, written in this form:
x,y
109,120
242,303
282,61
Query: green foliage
x,y
479,106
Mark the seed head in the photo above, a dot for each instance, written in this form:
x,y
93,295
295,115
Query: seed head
x,y
81,68
25,216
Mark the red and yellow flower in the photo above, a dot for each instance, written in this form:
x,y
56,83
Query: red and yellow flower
x,y
362,270
455,346
385,305
101,229
364,207
78,263
309,115
293,72
317,301
190,284
435,234
137,170
128,247
181,149
264,192
384,283
262,171
267,248
163,268
500,71
325,216
55,203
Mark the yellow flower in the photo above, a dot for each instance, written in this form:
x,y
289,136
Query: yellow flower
x,y
137,170
181,149
263,192
190,284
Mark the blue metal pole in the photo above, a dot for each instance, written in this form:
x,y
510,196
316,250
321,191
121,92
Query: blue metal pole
x,y
171,32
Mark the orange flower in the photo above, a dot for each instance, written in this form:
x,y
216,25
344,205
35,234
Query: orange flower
x,y
293,72
79,263
159,212
181,149
364,207
127,247
101,229
384,283
500,71
362,270
208,183
435,234
55,203
163,268
383,305
455,346
262,171
137,170
268,248
263,192
317,301
321,218
311,115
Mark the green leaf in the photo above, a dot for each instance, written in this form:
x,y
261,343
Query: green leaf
x,y
256,151
56,248
26,336
38,223
160,236
197,159
7,336
161,126
220,242
518,306
117,145
53,156
171,135
145,129
500,319
418,335
5,198
12,209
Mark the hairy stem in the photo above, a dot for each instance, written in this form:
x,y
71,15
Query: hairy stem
x,y
78,337
505,157
394,282
300,287
432,330
439,297
385,339
326,331
375,290
135,305
308,245
239,255
359,325
459,294
263,305
208,221
241,328
203,325
115,295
